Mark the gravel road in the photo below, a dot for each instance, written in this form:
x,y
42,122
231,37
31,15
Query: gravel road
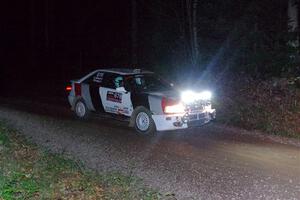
x,y
209,162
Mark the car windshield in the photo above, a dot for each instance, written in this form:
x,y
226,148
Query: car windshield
x,y
147,82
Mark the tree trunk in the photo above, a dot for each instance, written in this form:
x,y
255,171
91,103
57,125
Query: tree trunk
x,y
293,24
133,33
190,29
195,33
293,15
32,34
46,24
191,10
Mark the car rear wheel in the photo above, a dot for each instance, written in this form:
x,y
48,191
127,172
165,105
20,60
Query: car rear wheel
x,y
144,123
81,110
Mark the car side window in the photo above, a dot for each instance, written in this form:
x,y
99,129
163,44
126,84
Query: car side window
x,y
109,80
130,84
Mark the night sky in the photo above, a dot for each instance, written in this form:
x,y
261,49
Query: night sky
x,y
55,41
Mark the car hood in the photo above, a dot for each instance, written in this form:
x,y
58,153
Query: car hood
x,y
168,94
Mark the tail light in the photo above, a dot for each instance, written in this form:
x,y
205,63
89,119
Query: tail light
x,y
170,106
69,88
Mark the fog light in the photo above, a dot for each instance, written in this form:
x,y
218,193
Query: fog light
x,y
185,119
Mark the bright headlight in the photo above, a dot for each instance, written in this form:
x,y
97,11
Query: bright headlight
x,y
190,96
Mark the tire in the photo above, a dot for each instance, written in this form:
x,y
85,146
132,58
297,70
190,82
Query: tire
x,y
143,122
81,110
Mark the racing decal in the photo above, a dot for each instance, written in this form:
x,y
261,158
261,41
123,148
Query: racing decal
x,y
117,110
123,111
111,109
126,110
99,77
114,96
116,102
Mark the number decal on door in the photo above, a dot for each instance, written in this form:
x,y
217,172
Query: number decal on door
x,y
114,96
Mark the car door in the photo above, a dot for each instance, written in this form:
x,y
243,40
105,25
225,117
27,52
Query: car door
x,y
115,101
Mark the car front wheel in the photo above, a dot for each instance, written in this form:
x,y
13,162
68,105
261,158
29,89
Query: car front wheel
x,y
144,123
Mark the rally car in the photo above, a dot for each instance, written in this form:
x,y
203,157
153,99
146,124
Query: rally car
x,y
146,101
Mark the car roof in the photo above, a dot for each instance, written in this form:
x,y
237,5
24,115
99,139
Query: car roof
x,y
125,71
120,71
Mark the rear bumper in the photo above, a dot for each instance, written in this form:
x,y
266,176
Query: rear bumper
x,y
183,121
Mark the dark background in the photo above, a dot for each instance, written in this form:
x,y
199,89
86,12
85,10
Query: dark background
x,y
53,40
45,43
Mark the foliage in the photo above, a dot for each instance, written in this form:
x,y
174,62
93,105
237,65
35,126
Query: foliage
x,y
29,173
234,35
271,105
264,37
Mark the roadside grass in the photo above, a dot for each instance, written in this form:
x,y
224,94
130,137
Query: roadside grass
x,y
27,172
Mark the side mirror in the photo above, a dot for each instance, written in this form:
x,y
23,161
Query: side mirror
x,y
121,89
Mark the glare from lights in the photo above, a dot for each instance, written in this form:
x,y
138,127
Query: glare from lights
x,y
178,108
206,95
190,96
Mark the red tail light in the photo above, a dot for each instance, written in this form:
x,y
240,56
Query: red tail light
x,y
69,88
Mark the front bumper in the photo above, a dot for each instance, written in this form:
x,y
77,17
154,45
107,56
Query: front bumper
x,y
201,118
182,121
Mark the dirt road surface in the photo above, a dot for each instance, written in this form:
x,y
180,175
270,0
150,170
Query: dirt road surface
x,y
209,162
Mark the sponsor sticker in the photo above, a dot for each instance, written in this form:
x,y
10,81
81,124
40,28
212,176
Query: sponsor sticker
x,y
98,78
111,109
114,96
122,111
